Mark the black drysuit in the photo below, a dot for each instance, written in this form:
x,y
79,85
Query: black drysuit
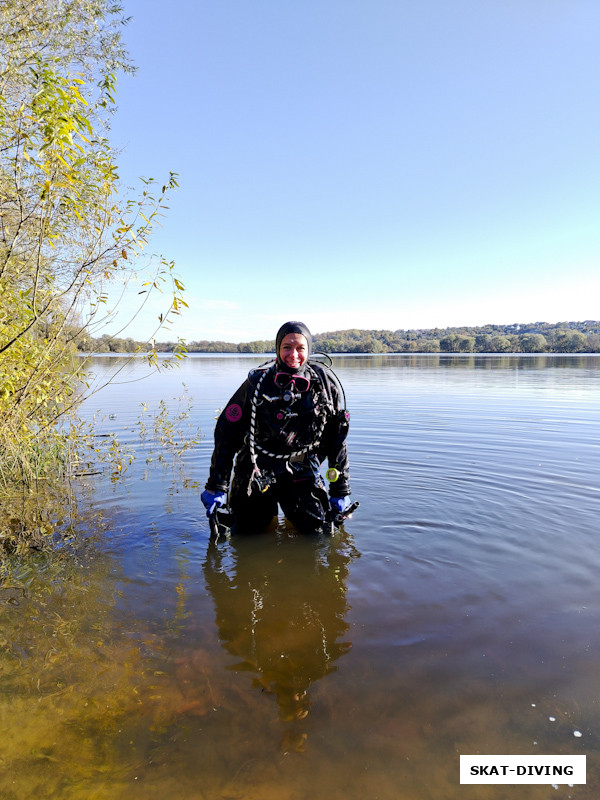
x,y
279,438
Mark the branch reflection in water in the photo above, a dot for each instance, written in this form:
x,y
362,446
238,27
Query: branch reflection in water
x,y
280,607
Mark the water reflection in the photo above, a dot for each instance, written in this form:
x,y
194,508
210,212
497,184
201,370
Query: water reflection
x,y
468,361
280,607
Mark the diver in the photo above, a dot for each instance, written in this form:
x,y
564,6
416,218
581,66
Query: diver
x,y
279,426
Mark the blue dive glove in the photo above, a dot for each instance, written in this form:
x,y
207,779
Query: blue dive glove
x,y
340,504
212,500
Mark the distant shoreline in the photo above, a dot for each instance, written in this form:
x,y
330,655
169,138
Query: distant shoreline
x,y
532,338
265,356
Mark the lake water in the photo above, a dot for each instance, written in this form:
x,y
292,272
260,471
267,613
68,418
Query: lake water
x,y
456,613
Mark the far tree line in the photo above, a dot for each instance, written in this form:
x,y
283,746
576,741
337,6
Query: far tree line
x,y
538,337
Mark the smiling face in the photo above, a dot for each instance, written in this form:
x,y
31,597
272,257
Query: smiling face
x,y
293,350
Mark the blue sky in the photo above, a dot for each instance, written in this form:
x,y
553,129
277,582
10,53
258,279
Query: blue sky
x,y
382,164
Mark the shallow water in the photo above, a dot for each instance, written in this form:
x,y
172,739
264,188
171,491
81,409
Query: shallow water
x,y
457,612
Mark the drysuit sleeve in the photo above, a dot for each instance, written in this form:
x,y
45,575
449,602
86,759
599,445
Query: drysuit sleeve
x,y
232,426
336,432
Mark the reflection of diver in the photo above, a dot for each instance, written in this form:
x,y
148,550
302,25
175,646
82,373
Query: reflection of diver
x,y
280,605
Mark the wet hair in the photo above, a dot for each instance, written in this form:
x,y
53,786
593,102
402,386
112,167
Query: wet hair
x,y
292,327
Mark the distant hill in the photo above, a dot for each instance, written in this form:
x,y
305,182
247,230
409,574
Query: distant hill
x,y
532,337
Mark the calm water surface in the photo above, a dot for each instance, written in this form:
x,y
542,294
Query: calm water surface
x,y
457,612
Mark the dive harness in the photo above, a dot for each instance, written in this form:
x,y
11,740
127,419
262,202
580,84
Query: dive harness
x,y
221,520
253,445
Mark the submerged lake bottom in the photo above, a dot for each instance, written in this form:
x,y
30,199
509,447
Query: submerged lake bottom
x,y
456,612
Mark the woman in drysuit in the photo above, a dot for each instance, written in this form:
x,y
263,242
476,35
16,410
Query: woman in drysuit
x,y
280,425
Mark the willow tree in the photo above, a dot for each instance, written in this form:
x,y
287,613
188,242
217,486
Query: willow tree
x,y
66,234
